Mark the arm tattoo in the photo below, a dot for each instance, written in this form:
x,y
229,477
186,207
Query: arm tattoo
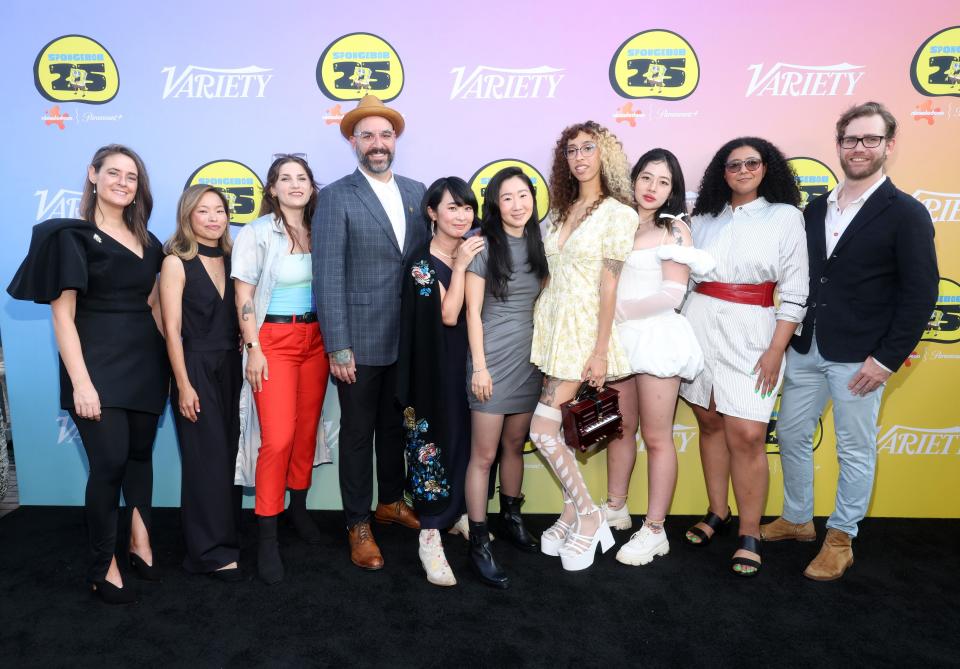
x,y
677,234
613,266
550,385
246,310
342,357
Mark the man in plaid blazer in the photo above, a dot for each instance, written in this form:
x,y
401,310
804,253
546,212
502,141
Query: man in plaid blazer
x,y
364,229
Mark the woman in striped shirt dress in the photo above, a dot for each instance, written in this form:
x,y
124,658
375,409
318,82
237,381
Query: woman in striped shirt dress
x,y
746,218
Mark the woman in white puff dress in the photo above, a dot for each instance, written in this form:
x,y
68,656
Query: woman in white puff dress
x,y
660,345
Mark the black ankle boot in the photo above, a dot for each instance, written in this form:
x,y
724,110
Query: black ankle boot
x,y
512,523
300,519
269,565
482,560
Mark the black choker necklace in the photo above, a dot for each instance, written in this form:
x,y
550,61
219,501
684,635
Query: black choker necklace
x,y
209,251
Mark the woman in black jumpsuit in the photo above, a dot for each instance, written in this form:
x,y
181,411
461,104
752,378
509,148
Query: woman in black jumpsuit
x,y
200,323
99,276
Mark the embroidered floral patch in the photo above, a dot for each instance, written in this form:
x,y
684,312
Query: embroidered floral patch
x,y
427,477
423,274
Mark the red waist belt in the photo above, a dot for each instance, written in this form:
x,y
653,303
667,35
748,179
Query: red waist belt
x,y
758,294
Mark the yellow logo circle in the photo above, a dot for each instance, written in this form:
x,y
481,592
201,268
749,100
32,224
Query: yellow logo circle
x,y
239,183
74,68
935,69
814,178
944,324
656,64
478,182
357,64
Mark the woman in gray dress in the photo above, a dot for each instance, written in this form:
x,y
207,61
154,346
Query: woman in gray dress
x,y
502,284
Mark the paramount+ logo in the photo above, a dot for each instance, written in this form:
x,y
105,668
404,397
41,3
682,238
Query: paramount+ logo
x,y
478,182
935,69
655,64
814,178
239,183
76,68
358,64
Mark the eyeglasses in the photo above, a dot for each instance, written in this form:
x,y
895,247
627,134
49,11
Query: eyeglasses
x,y
752,165
586,150
301,156
868,141
367,136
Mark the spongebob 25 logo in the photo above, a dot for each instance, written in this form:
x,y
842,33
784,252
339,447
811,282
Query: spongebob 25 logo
x,y
813,178
935,69
74,68
239,183
944,325
656,64
357,64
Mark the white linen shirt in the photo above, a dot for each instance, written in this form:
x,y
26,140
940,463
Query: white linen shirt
x,y
836,221
389,195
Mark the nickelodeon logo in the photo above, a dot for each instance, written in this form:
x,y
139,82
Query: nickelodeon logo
x,y
904,440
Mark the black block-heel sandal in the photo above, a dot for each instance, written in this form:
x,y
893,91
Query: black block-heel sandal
x,y
751,544
714,522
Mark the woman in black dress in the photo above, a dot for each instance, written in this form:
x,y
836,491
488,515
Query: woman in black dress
x,y
99,275
432,376
203,337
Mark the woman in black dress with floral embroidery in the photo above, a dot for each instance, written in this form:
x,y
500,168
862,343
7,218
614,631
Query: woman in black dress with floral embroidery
x,y
99,275
432,378
200,321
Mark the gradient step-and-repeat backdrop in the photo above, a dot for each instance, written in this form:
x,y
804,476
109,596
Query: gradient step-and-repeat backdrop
x,y
211,92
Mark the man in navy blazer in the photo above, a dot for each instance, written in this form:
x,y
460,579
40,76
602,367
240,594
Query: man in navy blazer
x,y
873,287
364,228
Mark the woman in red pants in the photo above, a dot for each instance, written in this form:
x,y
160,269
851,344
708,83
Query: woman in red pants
x,y
285,364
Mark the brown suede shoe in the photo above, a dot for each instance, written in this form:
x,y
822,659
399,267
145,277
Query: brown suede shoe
x,y
781,530
398,513
834,558
364,551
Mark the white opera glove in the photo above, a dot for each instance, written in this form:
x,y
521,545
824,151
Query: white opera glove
x,y
668,298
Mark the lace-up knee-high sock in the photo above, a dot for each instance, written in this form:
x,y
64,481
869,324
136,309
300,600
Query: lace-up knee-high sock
x,y
546,435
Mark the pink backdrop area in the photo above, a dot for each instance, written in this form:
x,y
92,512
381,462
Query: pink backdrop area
x,y
477,83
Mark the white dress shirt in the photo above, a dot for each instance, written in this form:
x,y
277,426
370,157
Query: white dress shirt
x,y
389,195
837,220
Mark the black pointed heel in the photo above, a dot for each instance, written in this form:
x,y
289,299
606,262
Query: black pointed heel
x,y
111,594
145,572
714,522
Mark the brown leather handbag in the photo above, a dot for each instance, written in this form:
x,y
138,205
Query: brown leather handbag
x,y
591,416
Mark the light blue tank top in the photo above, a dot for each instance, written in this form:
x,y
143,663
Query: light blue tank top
x,y
293,294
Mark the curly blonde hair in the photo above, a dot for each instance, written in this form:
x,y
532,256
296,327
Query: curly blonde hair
x,y
614,170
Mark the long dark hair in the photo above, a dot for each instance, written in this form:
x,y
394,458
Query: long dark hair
x,y
137,213
499,266
779,184
459,190
271,205
676,202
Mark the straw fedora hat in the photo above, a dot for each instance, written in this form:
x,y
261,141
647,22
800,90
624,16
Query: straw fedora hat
x,y
370,105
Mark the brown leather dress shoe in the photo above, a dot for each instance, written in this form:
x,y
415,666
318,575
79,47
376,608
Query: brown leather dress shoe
x,y
782,530
834,558
364,551
398,513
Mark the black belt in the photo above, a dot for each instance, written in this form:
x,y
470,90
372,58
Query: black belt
x,y
309,317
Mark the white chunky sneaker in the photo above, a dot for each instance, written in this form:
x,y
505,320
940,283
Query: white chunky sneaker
x,y
433,559
643,546
617,519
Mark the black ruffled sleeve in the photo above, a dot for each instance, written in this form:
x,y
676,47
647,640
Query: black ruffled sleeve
x,y
56,261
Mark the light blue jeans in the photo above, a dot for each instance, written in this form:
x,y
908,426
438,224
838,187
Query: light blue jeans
x,y
810,380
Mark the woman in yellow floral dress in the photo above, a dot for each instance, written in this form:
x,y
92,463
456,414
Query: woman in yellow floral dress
x,y
574,336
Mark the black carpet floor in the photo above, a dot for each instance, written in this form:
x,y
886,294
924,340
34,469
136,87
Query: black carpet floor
x,y
897,606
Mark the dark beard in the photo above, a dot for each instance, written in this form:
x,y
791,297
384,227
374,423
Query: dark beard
x,y
364,159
